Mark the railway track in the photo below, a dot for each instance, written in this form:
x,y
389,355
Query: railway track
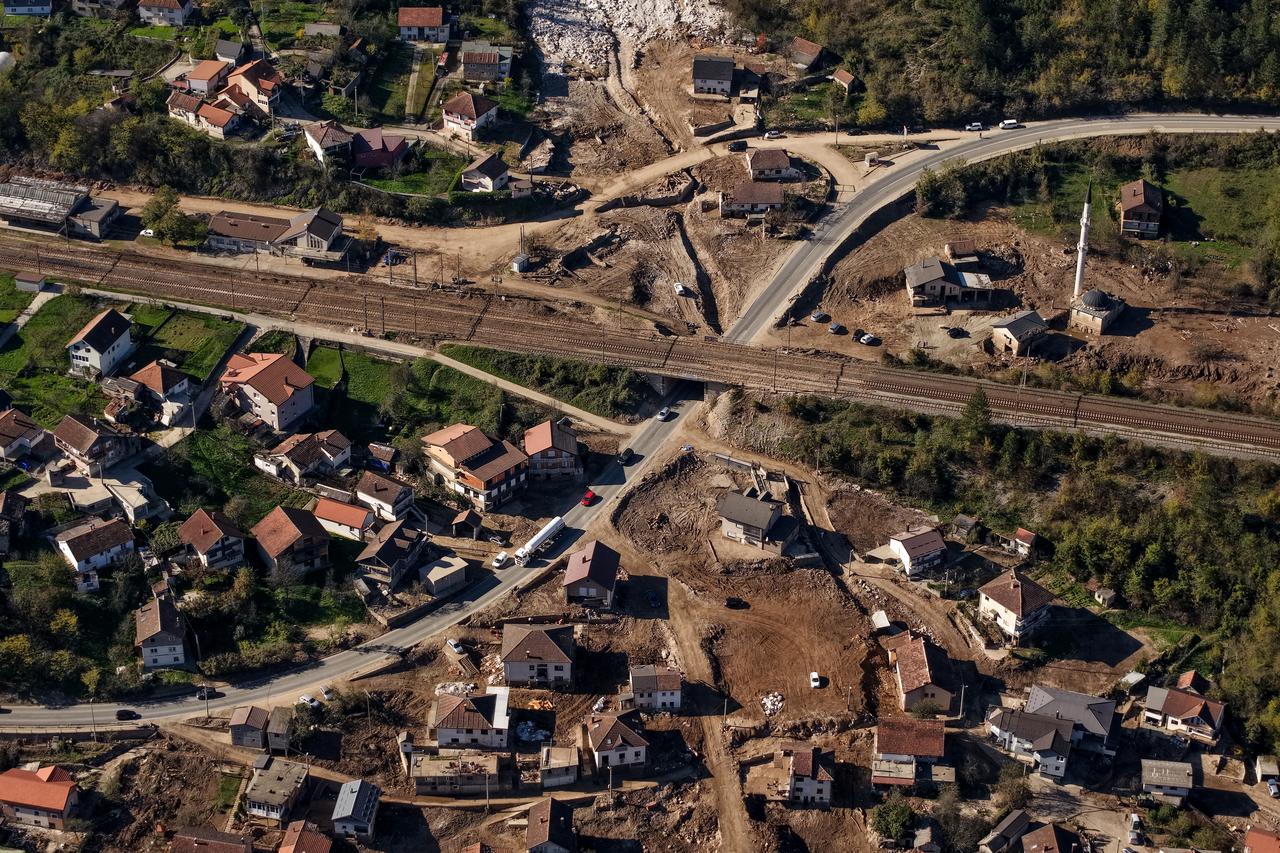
x,y
540,329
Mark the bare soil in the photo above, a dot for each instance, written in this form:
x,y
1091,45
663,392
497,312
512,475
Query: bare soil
x,y
605,140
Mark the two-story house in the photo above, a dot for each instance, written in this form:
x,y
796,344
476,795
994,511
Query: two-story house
x,y
1093,718
46,798
165,13
92,446
98,348
161,633
166,390
613,743
468,462
389,500
655,688
343,519
538,654
550,828
457,772
206,78
923,672
483,62
42,8
1015,604
314,233
771,164
218,120
355,814
275,790
755,520
487,173
302,455
801,775
269,386
303,836
18,434
90,547
200,839
393,553
906,750
327,140
918,550
1043,742
553,450
249,727
1184,709
591,576
280,730
291,542
466,115
712,75
752,198
256,82
478,721
423,23
212,537
1140,207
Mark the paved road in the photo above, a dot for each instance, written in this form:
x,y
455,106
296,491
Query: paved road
x,y
836,226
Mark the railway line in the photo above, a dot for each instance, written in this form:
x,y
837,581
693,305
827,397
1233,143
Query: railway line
x,y
538,328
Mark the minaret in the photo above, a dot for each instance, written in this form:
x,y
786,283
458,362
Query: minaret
x,y
1082,248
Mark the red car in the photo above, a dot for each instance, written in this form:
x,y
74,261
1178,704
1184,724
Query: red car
x,y
589,498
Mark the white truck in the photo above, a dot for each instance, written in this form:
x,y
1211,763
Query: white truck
x,y
541,540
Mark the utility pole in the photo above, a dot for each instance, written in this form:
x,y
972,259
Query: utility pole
x,y
93,721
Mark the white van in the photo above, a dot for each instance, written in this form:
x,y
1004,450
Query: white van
x,y
1010,124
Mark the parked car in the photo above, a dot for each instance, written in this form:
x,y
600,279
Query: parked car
x,y
738,145
663,413
974,125
500,559
735,603
1010,124
815,680
626,456
1273,789
869,340
819,316
206,692
498,539
589,498
686,448
957,332
326,692
148,232
308,700
455,647
836,329
774,134
681,290
128,714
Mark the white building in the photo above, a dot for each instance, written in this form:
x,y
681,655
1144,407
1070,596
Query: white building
x,y
27,7
269,386
613,743
479,721
1016,604
918,550
466,114
388,499
655,688
356,811
213,538
712,75
165,13
423,23
486,174
1168,781
346,520
101,345
161,633
93,546
275,789
538,654
18,434
1043,742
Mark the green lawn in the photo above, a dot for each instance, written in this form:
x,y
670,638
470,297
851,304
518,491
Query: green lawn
x,y
228,788
12,301
194,342
492,30
433,174
805,108
34,363
390,83
426,75
325,365
515,102
17,21
353,409
157,32
275,341
285,19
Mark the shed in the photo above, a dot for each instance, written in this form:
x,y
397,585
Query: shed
x,y
29,282
444,575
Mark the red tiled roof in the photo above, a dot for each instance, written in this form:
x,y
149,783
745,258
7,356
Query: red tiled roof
x,y
14,425
48,789
345,514
548,643
813,763
207,70
909,736
216,116
1017,594
468,105
547,435
1258,840
203,530
595,561
160,378
283,527
274,376
303,837
420,16
607,731
201,840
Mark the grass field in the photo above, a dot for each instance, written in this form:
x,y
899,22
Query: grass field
x,y
228,789
275,341
12,301
391,83
805,108
157,33
493,30
513,101
426,75
194,342
34,363
435,172
285,18
353,406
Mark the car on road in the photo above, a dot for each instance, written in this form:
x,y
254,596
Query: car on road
x,y
1010,124
6,710
735,603
626,456
819,317
686,448
308,700
498,539
957,332
663,413
326,692
588,498
974,125
774,134
869,340
500,559
207,693
681,290
815,680
128,714
455,646
738,145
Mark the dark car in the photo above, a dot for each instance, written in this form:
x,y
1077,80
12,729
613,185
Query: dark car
x,y
735,603
207,693
626,456
127,714
738,145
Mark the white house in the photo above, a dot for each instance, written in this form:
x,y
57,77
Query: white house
x,y
1184,709
101,345
327,139
423,23
341,519
269,386
388,499
655,688
306,454
487,173
1016,604
810,773
356,811
27,7
1043,742
771,164
18,434
538,654
165,13
275,789
712,75
479,721
93,546
466,114
1168,781
613,743
213,538
918,550
161,633
166,389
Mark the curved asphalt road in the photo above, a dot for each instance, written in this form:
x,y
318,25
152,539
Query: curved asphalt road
x,y
795,272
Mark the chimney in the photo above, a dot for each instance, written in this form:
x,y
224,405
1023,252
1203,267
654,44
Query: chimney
x,y
1082,248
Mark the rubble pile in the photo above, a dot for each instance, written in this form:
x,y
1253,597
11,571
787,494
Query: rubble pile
x,y
772,703
586,31
529,732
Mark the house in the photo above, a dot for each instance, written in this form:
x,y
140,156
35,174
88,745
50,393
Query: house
x,y
161,633
258,83
229,51
1016,604
18,434
13,520
1258,840
1168,781
216,120
213,538
477,721
207,77
538,654
457,772
1041,741
923,672
47,797
771,164
29,282
802,775
487,173
919,550
373,149
591,576
292,542
229,231
843,79
27,7
306,455
1052,838
249,727
1018,333
1141,206
269,386
906,750
1005,834
934,282
712,75
751,198
304,837
613,743
280,730
92,546
165,390
557,766
755,520
553,450
388,499
1093,719
393,552
550,828
444,576
101,345
1094,311
198,839
275,789
1106,596
355,814
466,114
328,139
468,462
343,519
314,233
1184,710
655,688
803,53
483,62
423,23
382,457
164,13
97,8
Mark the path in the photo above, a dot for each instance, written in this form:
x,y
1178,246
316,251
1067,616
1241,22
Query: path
x,y
37,303
418,51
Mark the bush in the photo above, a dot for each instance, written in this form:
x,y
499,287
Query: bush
x,y
893,817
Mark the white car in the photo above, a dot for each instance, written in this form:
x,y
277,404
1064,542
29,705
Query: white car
x,y
663,413
1010,124
773,134
326,692
681,290
148,232
455,647
308,700
815,680
974,125
500,560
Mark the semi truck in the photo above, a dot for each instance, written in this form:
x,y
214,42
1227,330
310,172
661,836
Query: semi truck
x,y
541,540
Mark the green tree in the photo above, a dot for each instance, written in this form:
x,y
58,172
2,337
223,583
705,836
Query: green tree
x,y
160,205
871,113
893,817
976,420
